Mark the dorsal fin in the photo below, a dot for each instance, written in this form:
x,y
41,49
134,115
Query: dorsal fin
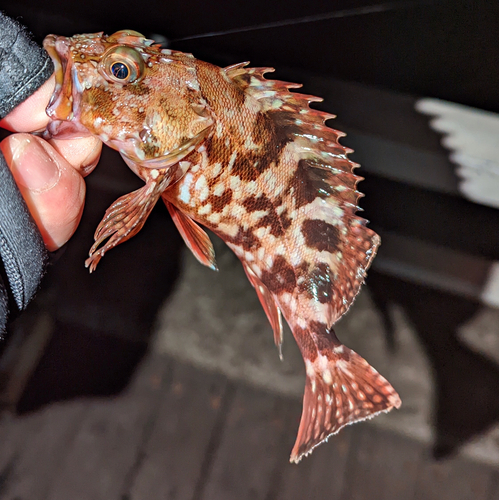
x,y
323,171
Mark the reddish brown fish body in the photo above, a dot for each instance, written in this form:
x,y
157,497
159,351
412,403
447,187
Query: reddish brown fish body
x,y
253,163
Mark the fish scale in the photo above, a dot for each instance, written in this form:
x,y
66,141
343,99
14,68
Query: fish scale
x,y
242,155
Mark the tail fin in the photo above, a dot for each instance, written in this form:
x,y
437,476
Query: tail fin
x,y
341,388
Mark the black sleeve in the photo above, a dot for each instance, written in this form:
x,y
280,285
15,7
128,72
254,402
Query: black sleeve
x,y
24,67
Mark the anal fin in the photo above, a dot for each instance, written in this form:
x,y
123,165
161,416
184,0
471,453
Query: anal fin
x,y
194,237
341,388
269,306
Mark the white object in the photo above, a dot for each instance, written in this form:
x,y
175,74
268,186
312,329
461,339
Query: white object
x,y
472,136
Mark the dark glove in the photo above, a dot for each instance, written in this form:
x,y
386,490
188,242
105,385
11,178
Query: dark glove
x,y
24,67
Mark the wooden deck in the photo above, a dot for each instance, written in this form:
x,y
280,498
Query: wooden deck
x,y
179,433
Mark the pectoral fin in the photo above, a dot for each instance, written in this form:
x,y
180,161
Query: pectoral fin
x,y
123,219
195,238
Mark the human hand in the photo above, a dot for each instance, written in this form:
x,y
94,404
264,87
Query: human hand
x,y
49,174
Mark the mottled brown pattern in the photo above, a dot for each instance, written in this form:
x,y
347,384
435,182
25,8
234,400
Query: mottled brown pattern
x,y
300,184
285,220
245,239
263,125
218,203
321,235
278,223
217,150
322,283
323,337
239,124
257,203
139,89
284,125
99,100
251,164
150,150
308,348
280,277
212,87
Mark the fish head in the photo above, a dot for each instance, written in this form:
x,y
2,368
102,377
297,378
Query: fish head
x,y
138,98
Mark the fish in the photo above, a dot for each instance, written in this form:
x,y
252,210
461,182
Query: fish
x,y
246,157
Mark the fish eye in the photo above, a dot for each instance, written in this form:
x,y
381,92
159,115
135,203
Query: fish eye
x,y
122,64
120,70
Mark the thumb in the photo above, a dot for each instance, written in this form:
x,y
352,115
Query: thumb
x,y
53,190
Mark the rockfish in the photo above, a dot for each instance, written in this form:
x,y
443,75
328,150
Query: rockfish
x,y
250,160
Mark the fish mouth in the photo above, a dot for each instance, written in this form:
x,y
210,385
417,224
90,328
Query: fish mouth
x,y
62,103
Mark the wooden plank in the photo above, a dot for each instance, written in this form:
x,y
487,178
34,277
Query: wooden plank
x,y
250,449
494,490
109,440
319,476
382,465
174,454
455,479
34,448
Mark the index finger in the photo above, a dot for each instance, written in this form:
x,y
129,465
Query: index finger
x,y
30,115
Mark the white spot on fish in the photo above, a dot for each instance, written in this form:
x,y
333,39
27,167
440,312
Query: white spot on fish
x,y
229,229
185,195
216,169
250,144
154,173
219,129
218,189
257,215
261,232
280,249
214,218
252,104
232,160
249,257
301,322
234,182
326,376
269,260
205,209
202,188
251,188
238,212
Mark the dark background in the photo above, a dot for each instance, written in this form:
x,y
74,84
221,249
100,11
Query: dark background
x,y
444,49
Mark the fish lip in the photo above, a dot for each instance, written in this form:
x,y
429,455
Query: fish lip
x,y
61,104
